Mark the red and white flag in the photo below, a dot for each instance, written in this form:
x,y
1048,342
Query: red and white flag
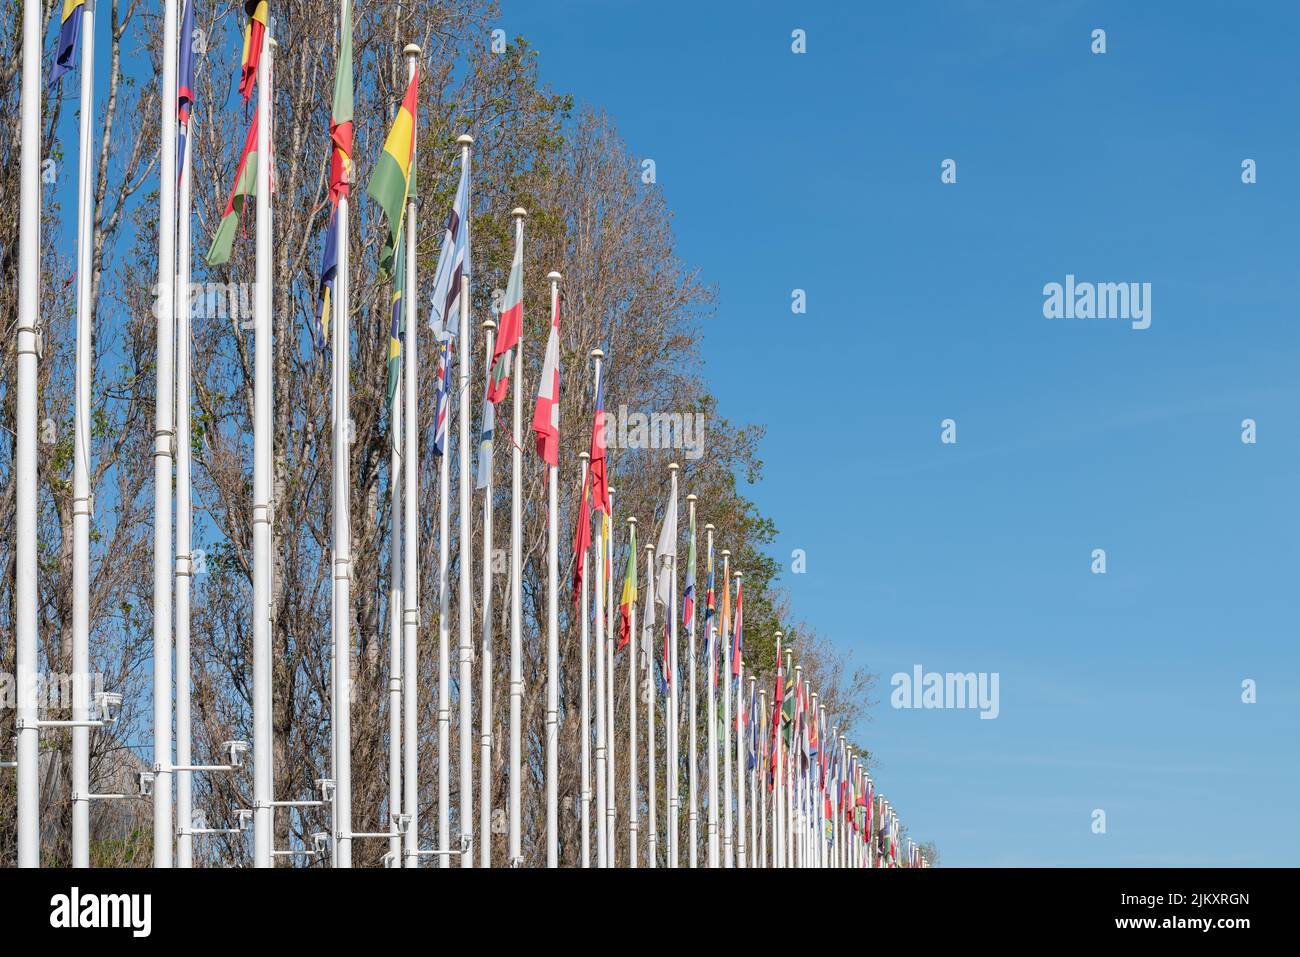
x,y
546,415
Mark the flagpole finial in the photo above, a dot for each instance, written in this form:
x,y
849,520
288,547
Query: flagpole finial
x,y
708,527
554,276
649,547
778,633
673,466
725,553
464,140
411,49
489,324
739,575
631,519
584,455
597,354
692,497
518,213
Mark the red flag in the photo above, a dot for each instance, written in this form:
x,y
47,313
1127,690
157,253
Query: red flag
x,y
581,539
546,415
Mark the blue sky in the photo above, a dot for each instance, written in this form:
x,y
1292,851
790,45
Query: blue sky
x,y
821,171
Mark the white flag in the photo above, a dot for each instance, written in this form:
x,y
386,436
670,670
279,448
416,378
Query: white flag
x,y
666,550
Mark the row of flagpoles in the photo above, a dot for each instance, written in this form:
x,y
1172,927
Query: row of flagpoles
x,y
793,792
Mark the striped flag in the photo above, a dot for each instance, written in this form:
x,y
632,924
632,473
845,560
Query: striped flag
x,y
244,189
184,85
628,601
396,330
254,31
69,30
453,262
546,414
340,175
442,401
391,180
510,328
737,645
688,597
599,469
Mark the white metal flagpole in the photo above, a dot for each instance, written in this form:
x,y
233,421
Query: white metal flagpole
x,y
755,849
711,717
81,500
724,688
395,437
585,795
342,615
184,523
673,724
602,781
611,792
740,756
652,783
760,765
465,597
553,631
25,476
693,807
262,451
632,799
485,656
516,588
411,536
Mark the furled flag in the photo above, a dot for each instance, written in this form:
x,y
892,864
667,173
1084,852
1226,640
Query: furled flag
x,y
396,330
509,330
752,756
777,695
737,643
725,630
184,85
453,262
69,29
599,468
710,620
254,30
391,181
666,549
546,414
628,601
442,402
340,176
648,631
581,534
688,597
245,188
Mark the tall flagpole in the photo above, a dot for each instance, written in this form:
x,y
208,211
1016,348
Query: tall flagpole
x,y
778,819
485,656
585,795
184,523
516,588
395,604
760,763
262,451
740,758
164,438
632,799
25,476
711,680
611,804
724,687
465,597
693,808
602,780
411,538
552,635
673,724
81,501
342,614
755,850
652,783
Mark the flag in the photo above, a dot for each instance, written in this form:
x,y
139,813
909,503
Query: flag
x,y
628,601
736,641
777,709
395,333
69,29
487,426
453,262
329,268
184,84
244,189
666,549
581,535
254,31
599,472
710,620
341,113
509,330
546,414
442,403
688,598
391,180
752,751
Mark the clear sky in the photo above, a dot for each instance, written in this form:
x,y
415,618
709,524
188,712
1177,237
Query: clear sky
x,y
821,172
